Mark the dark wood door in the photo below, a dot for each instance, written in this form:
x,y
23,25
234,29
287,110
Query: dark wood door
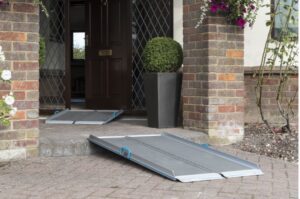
x,y
108,59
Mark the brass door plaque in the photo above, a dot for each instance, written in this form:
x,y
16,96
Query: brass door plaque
x,y
105,52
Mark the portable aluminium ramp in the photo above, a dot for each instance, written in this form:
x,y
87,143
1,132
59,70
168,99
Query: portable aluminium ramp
x,y
84,117
177,158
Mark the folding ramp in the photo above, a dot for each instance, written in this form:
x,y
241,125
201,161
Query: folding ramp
x,y
177,158
84,117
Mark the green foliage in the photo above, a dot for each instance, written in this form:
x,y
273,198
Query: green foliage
x,y
6,102
4,114
281,52
42,51
78,53
162,54
238,12
43,7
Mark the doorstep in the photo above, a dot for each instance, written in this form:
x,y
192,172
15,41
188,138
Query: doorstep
x,y
71,140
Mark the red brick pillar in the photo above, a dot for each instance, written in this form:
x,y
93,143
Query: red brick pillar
x,y
213,80
19,37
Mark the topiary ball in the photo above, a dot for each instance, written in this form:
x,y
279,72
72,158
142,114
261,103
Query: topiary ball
x,y
162,54
42,51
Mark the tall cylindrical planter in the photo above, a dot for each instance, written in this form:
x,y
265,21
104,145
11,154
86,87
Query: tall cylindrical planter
x,y
162,98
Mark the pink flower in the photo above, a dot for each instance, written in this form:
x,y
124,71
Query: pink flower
x,y
223,7
214,8
241,22
243,8
252,7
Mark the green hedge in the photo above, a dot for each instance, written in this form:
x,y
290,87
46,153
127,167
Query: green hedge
x,y
162,54
42,51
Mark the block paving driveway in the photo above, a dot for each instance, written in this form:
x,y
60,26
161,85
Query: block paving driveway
x,y
106,175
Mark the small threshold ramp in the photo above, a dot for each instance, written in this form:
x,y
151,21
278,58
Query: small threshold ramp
x,y
84,117
177,158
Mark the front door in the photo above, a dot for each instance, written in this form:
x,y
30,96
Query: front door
x,y
108,54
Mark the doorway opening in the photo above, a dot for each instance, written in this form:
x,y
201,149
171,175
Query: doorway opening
x,y
78,53
88,64
100,54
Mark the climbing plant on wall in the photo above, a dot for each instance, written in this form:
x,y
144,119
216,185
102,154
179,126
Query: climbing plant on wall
x,y
43,7
280,53
6,102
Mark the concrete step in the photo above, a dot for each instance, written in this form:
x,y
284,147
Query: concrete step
x,y
55,148
71,140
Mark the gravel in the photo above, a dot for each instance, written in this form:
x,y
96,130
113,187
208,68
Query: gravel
x,y
281,145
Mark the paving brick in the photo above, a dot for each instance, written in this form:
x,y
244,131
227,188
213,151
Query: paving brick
x,y
108,176
233,188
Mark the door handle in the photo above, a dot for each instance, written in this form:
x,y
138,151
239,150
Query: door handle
x,y
105,52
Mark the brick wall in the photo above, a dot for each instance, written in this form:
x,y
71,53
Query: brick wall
x,y
19,28
213,80
269,94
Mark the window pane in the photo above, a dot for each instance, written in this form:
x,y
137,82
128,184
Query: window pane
x,y
78,45
280,19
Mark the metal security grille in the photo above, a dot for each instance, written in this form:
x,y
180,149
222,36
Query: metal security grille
x,y
150,19
52,72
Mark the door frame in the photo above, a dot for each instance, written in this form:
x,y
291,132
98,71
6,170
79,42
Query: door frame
x,y
68,51
67,94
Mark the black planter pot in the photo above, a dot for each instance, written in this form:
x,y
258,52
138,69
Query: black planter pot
x,y
162,98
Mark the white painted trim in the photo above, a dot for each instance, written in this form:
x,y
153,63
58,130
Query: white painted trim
x,y
178,21
255,38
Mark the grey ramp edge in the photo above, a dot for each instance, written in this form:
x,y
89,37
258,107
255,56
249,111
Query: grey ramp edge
x,y
177,158
110,116
154,160
207,158
84,117
53,118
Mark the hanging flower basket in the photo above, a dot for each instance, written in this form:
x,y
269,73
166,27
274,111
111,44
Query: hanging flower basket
x,y
238,12
4,3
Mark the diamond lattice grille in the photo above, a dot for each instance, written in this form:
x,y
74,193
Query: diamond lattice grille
x,y
52,72
150,19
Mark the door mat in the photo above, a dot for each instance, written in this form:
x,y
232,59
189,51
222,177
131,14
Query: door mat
x,y
99,117
176,158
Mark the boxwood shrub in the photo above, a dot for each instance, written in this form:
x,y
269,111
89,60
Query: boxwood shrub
x,y
42,51
162,54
